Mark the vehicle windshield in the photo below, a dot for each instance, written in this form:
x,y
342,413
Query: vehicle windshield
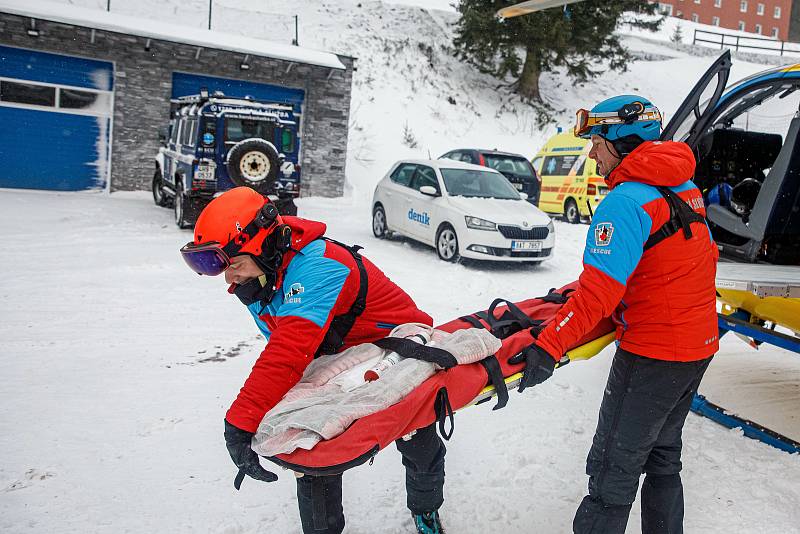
x,y
474,183
509,164
239,129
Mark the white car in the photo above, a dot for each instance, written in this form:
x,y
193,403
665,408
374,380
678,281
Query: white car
x,y
462,210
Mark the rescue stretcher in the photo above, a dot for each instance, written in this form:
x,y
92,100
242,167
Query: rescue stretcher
x,y
454,388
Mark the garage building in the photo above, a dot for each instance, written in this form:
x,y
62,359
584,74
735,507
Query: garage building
x,y
84,95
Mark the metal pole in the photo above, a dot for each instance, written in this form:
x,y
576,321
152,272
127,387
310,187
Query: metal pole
x,y
782,43
209,13
296,36
108,5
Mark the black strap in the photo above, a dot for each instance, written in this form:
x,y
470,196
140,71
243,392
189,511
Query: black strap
x,y
411,349
444,412
342,324
473,321
510,322
496,379
555,297
681,216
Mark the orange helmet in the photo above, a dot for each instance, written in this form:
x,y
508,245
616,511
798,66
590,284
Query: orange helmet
x,y
239,221
225,218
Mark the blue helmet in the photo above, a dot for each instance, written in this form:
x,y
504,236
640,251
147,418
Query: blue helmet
x,y
619,117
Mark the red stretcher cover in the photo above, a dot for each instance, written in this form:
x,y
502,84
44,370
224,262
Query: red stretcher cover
x,y
368,435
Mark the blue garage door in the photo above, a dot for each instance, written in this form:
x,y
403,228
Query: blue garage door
x,y
55,117
190,84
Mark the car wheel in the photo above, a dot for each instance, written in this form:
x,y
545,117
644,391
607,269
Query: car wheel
x,y
158,190
379,228
571,213
447,244
181,204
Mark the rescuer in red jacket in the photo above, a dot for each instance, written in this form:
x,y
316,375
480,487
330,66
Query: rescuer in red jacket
x,y
310,296
649,263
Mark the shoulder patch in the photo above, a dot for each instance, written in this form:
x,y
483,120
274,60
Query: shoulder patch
x,y
602,234
293,295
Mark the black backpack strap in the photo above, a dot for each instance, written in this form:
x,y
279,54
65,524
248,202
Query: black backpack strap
x,y
342,324
681,216
411,349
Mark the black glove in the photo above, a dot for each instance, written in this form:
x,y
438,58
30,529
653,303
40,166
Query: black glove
x,y
539,366
245,458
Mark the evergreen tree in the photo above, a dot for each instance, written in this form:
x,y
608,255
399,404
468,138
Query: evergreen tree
x,y
579,37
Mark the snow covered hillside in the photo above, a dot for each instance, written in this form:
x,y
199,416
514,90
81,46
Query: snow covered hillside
x,y
408,79
117,363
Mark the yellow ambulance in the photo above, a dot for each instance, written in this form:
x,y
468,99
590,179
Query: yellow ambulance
x,y
570,182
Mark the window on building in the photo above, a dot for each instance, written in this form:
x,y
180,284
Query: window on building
x,y
717,3
696,1
27,93
679,14
665,9
715,21
758,29
775,32
742,26
743,6
777,14
695,17
760,9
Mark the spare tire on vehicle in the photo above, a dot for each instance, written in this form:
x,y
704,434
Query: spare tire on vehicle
x,y
254,163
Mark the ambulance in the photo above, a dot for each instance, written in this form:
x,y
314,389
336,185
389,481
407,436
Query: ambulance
x,y
571,186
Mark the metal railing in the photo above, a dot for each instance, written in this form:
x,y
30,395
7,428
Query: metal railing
x,y
742,42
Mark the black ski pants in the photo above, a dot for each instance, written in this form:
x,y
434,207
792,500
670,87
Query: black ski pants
x,y
320,497
639,431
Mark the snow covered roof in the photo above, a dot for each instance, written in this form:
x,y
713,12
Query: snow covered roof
x,y
153,29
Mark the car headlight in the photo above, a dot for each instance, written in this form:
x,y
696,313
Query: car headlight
x,y
479,224
550,227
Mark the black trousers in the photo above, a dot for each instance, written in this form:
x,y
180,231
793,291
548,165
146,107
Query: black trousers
x,y
320,498
639,431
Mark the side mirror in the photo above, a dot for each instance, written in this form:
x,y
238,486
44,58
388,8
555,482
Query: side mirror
x,y
523,196
429,190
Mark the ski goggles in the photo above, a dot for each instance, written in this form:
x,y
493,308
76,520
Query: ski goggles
x,y
212,258
208,259
585,120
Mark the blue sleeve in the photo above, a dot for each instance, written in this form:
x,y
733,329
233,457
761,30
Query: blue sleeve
x,y
619,229
254,310
311,287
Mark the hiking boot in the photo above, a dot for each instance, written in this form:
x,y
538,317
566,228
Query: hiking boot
x,y
428,523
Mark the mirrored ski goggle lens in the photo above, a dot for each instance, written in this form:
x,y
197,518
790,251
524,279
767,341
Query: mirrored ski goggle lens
x,y
209,261
581,122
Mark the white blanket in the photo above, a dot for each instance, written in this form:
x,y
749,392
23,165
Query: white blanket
x,y
333,393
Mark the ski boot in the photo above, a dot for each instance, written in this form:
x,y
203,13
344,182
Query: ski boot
x,y
428,523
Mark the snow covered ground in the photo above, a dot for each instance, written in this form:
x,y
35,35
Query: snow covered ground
x,y
118,364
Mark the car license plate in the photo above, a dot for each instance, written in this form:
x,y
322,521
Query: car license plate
x,y
519,186
526,245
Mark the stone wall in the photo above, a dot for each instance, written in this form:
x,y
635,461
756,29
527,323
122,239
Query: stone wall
x,y
143,86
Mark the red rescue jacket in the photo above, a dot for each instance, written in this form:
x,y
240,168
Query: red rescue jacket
x,y
315,284
663,300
